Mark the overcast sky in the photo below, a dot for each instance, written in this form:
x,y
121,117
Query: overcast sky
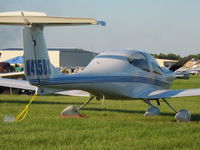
x,y
154,26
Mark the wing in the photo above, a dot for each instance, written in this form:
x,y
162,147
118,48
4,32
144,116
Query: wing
x,y
19,84
22,84
12,74
156,94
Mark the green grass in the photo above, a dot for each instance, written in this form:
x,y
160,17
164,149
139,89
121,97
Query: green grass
x,y
115,125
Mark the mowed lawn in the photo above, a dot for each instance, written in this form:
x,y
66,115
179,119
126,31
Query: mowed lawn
x,y
116,125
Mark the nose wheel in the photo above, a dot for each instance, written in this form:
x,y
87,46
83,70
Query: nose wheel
x,y
182,116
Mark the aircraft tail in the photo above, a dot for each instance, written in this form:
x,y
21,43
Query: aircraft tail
x,y
38,68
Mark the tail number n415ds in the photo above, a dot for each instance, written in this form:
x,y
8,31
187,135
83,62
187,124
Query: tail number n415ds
x,y
38,67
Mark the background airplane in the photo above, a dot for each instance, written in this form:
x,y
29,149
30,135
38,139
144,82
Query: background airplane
x,y
122,74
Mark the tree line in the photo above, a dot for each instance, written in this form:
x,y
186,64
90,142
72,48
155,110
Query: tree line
x,y
171,56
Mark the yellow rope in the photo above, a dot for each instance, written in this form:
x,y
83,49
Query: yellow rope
x,y
24,112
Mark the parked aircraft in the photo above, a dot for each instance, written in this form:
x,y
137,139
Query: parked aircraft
x,y
121,74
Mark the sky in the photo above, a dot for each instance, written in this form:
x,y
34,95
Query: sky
x,y
154,26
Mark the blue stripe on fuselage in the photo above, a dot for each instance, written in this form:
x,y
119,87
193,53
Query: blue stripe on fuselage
x,y
98,79
113,57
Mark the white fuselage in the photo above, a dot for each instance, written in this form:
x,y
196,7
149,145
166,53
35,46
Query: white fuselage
x,y
111,75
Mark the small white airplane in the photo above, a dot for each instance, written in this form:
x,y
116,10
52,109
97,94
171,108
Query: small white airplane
x,y
122,74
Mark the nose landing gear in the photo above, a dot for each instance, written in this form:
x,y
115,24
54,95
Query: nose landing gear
x,y
182,116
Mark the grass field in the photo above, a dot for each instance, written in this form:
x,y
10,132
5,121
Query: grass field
x,y
116,125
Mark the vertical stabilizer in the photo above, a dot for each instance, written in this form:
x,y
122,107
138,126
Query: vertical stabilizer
x,y
38,68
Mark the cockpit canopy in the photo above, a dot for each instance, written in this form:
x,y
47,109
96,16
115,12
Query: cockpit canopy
x,y
144,62
139,60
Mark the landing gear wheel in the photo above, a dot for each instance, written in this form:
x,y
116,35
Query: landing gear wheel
x,y
183,115
152,111
70,110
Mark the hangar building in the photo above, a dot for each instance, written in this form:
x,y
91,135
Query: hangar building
x,y
66,57
59,57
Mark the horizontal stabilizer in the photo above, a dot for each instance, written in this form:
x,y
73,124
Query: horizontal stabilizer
x,y
19,84
11,74
22,84
40,19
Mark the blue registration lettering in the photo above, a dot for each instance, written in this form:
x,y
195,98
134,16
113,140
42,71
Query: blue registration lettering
x,y
44,66
38,67
32,67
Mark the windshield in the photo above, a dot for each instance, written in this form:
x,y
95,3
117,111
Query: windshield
x,y
138,60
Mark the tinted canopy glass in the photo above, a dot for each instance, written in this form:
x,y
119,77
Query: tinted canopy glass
x,y
137,59
156,68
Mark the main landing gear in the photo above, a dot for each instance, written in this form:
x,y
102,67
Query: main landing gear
x,y
74,110
183,115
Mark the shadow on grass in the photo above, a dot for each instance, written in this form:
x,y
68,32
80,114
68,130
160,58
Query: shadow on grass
x,y
114,110
41,102
124,111
195,117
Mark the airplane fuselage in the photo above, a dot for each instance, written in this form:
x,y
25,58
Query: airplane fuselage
x,y
115,74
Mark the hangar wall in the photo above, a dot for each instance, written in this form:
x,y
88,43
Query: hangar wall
x,y
54,57
59,57
10,53
75,58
